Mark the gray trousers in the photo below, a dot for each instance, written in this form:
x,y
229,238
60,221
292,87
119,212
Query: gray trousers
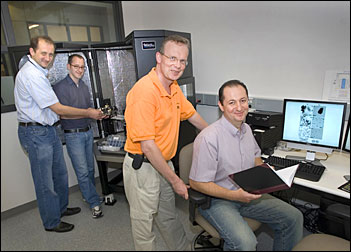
x,y
151,197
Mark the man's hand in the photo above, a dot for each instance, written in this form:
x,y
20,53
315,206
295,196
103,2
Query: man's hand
x,y
154,155
181,189
96,114
243,196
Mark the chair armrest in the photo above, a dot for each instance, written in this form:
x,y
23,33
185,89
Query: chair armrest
x,y
197,199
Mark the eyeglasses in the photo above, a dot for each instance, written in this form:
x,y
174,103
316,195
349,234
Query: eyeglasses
x,y
174,60
76,67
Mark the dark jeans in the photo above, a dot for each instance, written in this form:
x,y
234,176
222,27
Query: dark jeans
x,y
49,171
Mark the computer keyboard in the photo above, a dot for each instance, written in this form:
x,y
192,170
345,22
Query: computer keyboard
x,y
306,171
280,163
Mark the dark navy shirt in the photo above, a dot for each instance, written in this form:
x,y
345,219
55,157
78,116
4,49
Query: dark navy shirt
x,y
79,97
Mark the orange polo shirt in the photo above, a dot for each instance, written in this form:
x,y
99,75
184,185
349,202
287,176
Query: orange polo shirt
x,y
151,113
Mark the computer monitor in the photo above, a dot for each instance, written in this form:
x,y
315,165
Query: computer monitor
x,y
315,126
346,144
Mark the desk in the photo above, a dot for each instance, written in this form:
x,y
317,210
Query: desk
x,y
337,165
102,160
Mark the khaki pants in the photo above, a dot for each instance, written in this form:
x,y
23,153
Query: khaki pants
x,y
151,197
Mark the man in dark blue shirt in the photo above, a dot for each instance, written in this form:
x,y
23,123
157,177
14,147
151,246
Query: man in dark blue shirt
x,y
72,91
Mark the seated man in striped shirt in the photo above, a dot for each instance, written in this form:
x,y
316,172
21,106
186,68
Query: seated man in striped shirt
x,y
228,146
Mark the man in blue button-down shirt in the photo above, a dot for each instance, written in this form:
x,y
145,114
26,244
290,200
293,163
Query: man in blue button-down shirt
x,y
38,109
72,91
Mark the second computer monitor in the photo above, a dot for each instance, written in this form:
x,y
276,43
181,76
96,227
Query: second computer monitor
x,y
315,126
346,144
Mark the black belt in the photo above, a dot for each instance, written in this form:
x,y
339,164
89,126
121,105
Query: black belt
x,y
35,124
132,156
77,130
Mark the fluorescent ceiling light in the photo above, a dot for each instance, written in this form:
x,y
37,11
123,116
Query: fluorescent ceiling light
x,y
33,26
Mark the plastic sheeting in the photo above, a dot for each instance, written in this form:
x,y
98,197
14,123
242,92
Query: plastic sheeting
x,y
117,75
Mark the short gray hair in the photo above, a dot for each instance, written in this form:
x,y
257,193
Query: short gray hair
x,y
174,38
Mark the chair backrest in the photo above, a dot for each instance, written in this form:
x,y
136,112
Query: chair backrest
x,y
185,159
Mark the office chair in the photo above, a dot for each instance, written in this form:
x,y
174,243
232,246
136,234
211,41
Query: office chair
x,y
322,242
197,199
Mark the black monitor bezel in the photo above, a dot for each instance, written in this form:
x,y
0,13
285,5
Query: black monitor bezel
x,y
315,101
346,136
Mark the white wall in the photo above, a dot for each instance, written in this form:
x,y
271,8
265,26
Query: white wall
x,y
278,49
209,113
16,182
17,186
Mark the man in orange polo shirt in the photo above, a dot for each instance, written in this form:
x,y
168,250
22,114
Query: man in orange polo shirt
x,y
155,107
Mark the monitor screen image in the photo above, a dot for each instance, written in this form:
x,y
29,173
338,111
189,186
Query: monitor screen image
x,y
346,145
315,126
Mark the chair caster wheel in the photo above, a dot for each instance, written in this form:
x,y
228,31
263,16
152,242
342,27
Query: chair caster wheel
x,y
110,200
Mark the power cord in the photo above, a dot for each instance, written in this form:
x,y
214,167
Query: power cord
x,y
310,212
325,158
310,217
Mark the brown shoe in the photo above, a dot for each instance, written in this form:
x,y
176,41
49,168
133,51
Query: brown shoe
x,y
62,227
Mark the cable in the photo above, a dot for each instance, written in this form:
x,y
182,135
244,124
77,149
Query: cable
x,y
310,217
310,214
325,158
